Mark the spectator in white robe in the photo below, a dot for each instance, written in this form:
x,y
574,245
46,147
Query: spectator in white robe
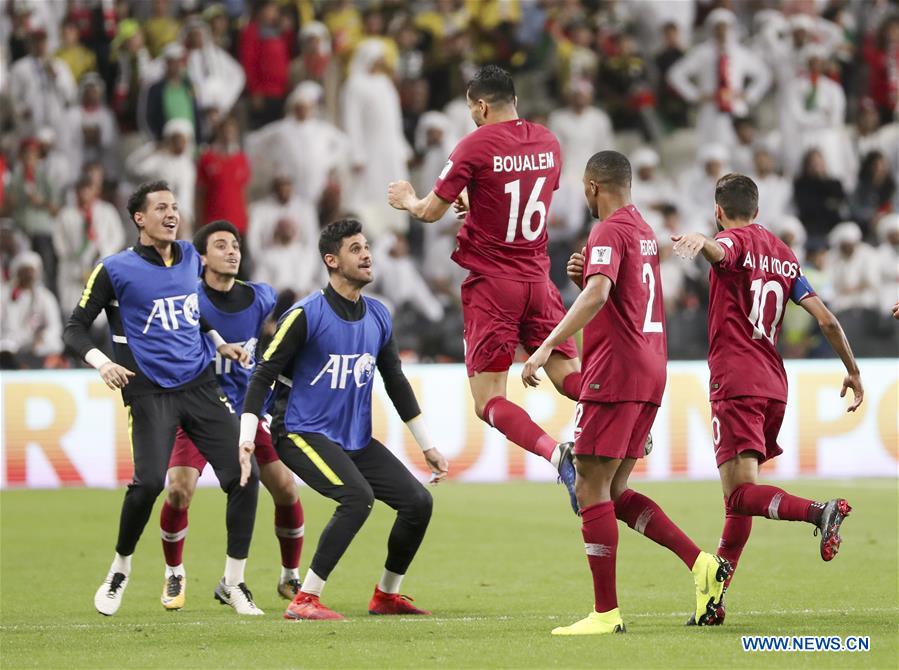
x,y
791,232
853,267
303,145
775,191
403,284
379,153
713,75
650,188
582,129
41,87
30,320
291,260
92,130
818,108
170,159
218,79
86,231
282,204
434,144
697,186
888,260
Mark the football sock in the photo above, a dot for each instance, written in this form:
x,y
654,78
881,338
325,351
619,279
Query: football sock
x,y
734,536
772,502
600,531
289,573
177,570
234,568
173,529
289,530
313,584
646,517
513,422
121,564
390,582
571,386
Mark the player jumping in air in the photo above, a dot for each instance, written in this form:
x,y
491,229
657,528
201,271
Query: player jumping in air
x,y
237,311
510,168
753,274
625,355
163,369
324,356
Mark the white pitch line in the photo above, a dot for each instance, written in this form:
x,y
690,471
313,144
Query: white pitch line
x,y
438,620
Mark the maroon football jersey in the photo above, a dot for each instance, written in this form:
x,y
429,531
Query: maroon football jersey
x,y
747,298
511,170
625,350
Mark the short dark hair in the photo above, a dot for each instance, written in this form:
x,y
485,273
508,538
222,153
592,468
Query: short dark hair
x,y
493,84
737,195
138,200
333,235
609,167
201,239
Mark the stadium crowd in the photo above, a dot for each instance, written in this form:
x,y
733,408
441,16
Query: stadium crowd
x,y
281,116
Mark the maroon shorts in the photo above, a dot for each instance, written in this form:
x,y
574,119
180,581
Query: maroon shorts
x,y
186,455
747,423
613,429
499,314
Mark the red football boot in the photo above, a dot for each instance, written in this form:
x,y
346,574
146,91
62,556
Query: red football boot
x,y
392,603
308,606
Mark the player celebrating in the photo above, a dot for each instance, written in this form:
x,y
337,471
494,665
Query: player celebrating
x,y
149,292
324,355
752,275
510,168
236,310
625,354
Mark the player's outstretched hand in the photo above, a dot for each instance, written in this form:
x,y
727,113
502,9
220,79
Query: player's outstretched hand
x,y
896,311
115,375
235,352
535,362
575,268
853,382
688,246
438,465
245,456
399,193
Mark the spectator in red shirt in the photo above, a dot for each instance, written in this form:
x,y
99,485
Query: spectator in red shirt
x,y
265,56
223,173
883,69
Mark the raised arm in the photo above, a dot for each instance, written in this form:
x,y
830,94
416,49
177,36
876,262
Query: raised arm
x,y
401,195
689,245
832,330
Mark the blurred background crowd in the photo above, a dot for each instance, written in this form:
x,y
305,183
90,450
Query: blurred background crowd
x,y
282,115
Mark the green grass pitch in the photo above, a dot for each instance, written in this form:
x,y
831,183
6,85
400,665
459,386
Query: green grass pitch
x,y
501,566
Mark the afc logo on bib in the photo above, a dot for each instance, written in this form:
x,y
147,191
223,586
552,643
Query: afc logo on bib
x,y
340,367
174,311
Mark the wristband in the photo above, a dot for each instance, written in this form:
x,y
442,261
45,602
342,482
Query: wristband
x,y
96,358
248,425
217,339
420,432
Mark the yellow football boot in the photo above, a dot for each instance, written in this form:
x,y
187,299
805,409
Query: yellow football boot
x,y
596,623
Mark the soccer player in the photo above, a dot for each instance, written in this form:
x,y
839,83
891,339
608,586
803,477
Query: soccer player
x,y
753,274
625,354
323,356
510,168
162,366
237,311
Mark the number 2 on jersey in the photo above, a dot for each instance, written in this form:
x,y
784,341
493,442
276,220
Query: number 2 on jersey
x,y
757,311
533,206
650,326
